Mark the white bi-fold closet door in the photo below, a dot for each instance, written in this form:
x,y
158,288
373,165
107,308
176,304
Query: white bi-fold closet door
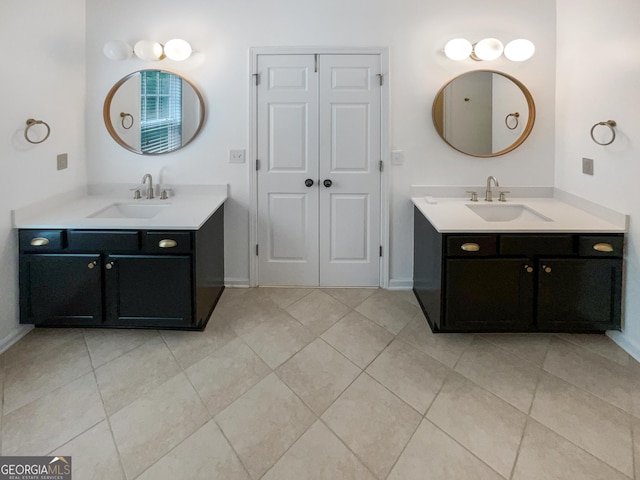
x,y
318,143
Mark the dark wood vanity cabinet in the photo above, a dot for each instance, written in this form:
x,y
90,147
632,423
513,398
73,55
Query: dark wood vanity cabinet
x,y
122,278
517,282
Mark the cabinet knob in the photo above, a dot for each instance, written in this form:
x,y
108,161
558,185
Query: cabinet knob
x,y
167,243
546,269
39,241
109,265
603,247
92,265
470,247
528,268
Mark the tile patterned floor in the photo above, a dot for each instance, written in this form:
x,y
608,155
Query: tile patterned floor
x,y
322,384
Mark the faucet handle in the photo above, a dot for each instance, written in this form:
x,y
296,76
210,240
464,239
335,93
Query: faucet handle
x,y
474,195
503,196
136,192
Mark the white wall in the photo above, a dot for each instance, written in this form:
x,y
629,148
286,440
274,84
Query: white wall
x,y
598,79
222,33
44,78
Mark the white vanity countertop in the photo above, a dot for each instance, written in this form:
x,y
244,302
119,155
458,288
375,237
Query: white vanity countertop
x,y
188,209
452,215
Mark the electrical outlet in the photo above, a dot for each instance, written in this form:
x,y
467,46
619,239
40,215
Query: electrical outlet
x,y
236,156
587,166
62,161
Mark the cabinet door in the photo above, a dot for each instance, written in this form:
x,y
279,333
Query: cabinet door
x,y
61,290
488,295
143,290
581,294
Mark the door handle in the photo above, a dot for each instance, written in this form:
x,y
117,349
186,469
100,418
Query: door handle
x,y
308,182
109,265
327,183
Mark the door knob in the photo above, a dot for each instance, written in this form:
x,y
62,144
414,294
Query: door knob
x,y
109,265
546,268
308,182
92,265
327,183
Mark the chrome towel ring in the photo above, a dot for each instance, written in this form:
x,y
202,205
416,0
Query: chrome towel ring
x,y
515,116
608,123
123,118
30,123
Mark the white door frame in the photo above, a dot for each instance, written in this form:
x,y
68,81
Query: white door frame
x,y
384,146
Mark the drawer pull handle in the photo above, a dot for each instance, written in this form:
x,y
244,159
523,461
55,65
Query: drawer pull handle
x,y
603,247
470,247
39,241
167,243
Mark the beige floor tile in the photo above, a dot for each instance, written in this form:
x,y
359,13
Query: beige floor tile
x,y
388,310
318,374
94,455
226,374
587,421
263,423
130,376
503,374
409,373
148,428
277,338
590,371
634,384
53,419
407,296
318,455
283,297
444,347
42,341
248,311
636,446
358,338
431,450
351,297
205,455
546,455
317,311
191,347
600,344
484,424
375,424
105,344
530,346
31,378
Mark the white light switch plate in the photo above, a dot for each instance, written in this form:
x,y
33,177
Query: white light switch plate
x,y
397,157
236,156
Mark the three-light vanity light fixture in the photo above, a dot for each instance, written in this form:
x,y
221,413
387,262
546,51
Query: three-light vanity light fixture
x,y
517,50
176,49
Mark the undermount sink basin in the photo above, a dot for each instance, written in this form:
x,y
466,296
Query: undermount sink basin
x,y
129,210
507,213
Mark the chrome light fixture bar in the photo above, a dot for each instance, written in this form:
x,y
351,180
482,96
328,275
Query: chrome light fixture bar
x,y
176,49
489,49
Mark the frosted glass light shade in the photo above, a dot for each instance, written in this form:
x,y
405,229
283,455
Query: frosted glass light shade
x,y
177,49
487,49
148,50
458,49
519,50
117,50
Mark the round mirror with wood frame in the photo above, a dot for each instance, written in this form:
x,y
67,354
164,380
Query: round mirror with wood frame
x,y
151,112
484,113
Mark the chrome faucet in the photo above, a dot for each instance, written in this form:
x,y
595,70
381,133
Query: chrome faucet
x,y
488,195
150,187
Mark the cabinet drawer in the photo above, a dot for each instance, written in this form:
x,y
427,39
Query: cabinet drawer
x,y
600,246
167,243
111,240
472,245
41,240
531,245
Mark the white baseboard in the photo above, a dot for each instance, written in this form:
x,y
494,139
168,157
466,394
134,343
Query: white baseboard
x,y
236,282
13,337
630,346
400,284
